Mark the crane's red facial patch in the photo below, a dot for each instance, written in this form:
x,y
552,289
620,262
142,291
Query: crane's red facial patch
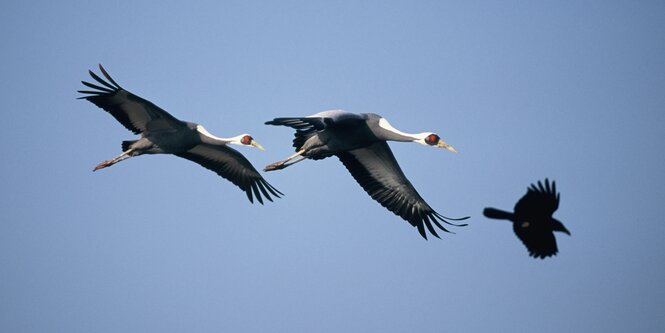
x,y
432,139
246,140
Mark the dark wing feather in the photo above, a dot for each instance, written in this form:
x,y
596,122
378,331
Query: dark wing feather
x,y
309,126
305,127
539,241
300,123
376,170
132,111
539,202
533,219
316,122
232,165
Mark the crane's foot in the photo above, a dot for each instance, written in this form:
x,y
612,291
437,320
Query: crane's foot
x,y
125,155
275,166
283,164
103,165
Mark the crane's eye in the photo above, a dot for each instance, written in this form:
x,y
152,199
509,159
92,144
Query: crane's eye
x,y
246,140
432,139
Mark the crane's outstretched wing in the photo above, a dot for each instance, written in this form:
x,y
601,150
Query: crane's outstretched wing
x,y
538,203
376,170
317,121
307,126
538,239
232,165
133,112
302,124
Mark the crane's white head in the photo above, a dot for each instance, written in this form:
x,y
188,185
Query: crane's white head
x,y
245,140
427,138
433,140
242,139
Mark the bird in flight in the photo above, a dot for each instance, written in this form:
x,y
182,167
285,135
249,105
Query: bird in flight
x,y
532,219
359,141
161,133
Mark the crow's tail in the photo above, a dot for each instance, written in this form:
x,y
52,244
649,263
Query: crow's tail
x,y
494,213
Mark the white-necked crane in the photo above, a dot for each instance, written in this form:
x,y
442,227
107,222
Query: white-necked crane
x,y
161,133
359,141
532,219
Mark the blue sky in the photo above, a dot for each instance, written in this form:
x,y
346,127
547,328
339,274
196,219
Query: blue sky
x,y
570,90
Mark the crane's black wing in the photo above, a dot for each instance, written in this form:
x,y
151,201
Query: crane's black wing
x,y
307,126
533,219
376,170
232,165
133,112
302,124
317,121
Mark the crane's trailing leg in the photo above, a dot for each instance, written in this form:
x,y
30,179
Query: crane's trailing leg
x,y
125,155
283,164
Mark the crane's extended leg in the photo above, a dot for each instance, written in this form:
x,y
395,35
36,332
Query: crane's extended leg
x,y
125,155
283,164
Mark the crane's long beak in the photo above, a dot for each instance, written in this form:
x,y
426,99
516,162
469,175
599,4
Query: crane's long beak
x,y
442,144
256,144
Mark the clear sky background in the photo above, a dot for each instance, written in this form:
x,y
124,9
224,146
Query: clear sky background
x,y
570,90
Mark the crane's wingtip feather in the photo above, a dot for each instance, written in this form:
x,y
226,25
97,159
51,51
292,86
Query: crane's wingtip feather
x,y
248,192
421,230
430,227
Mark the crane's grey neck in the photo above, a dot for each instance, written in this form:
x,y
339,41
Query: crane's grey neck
x,y
388,132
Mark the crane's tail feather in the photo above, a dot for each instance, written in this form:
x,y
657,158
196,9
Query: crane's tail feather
x,y
494,213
